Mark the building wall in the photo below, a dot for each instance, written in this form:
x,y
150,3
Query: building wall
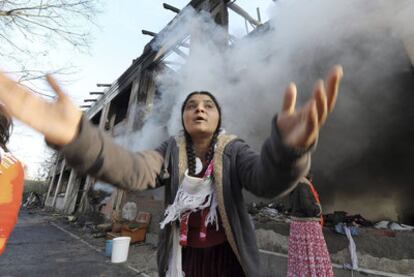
x,y
138,82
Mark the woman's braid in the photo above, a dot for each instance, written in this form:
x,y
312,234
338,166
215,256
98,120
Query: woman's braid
x,y
210,153
191,157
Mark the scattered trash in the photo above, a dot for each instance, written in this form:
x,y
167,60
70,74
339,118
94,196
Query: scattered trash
x,y
104,227
341,228
352,249
394,226
33,200
99,235
358,220
335,218
331,220
129,211
272,211
96,198
136,229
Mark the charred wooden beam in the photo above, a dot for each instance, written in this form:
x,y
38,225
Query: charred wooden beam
x,y
172,63
180,53
221,15
237,9
148,33
171,8
217,10
103,85
185,44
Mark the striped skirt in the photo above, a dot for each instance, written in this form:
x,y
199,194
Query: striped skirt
x,y
307,253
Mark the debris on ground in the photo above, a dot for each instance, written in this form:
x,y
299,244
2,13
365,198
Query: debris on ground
x,y
386,246
135,227
272,211
32,200
394,226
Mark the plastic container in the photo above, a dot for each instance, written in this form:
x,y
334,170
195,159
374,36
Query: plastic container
x,y
108,248
120,248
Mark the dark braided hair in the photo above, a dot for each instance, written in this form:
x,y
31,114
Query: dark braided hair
x,y
191,157
5,127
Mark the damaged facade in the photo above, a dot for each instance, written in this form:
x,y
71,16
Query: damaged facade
x,y
123,108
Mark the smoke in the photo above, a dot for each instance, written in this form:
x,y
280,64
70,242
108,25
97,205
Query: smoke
x,y
364,149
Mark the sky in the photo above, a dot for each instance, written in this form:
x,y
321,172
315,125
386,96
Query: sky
x,y
116,41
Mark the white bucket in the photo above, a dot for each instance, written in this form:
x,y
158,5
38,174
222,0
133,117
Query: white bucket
x,y
120,247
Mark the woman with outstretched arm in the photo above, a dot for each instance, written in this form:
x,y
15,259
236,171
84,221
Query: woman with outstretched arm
x,y
206,230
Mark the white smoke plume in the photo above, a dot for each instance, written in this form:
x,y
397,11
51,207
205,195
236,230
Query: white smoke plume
x,y
249,78
301,42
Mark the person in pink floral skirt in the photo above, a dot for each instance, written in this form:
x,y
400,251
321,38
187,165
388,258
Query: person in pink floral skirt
x,y
307,254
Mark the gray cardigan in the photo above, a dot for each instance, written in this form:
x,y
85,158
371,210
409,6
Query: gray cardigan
x,y
236,166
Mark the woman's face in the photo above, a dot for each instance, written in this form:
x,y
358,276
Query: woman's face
x,y
200,116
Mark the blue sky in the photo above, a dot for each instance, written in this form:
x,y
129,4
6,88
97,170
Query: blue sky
x,y
117,40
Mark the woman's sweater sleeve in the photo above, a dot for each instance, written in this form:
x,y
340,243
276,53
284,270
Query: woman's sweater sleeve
x,y
94,153
277,169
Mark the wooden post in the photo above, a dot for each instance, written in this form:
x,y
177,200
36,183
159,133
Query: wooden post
x,y
82,205
69,190
52,181
59,183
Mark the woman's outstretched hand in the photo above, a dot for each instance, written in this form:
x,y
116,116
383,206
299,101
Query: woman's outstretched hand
x,y
300,128
58,121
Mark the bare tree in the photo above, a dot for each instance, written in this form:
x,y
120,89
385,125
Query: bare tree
x,y
31,33
30,29
47,165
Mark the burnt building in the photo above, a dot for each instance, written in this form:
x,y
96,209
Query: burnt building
x,y
121,111
362,164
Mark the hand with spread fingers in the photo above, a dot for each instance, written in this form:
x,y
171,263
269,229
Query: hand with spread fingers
x,y
300,128
58,121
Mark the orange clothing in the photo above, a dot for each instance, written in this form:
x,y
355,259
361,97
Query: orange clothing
x,y
11,190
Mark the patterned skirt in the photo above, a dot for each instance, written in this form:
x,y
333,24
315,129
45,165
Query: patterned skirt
x,y
215,261
308,255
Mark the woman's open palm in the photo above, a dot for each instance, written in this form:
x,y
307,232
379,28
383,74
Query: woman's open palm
x,y
58,121
300,128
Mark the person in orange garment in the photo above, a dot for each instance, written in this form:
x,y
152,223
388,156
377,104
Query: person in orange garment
x,y
11,182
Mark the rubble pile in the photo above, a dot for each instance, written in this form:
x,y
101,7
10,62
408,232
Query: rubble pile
x,y
33,200
385,245
265,212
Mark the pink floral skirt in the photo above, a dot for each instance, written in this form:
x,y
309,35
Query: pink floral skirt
x,y
308,254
